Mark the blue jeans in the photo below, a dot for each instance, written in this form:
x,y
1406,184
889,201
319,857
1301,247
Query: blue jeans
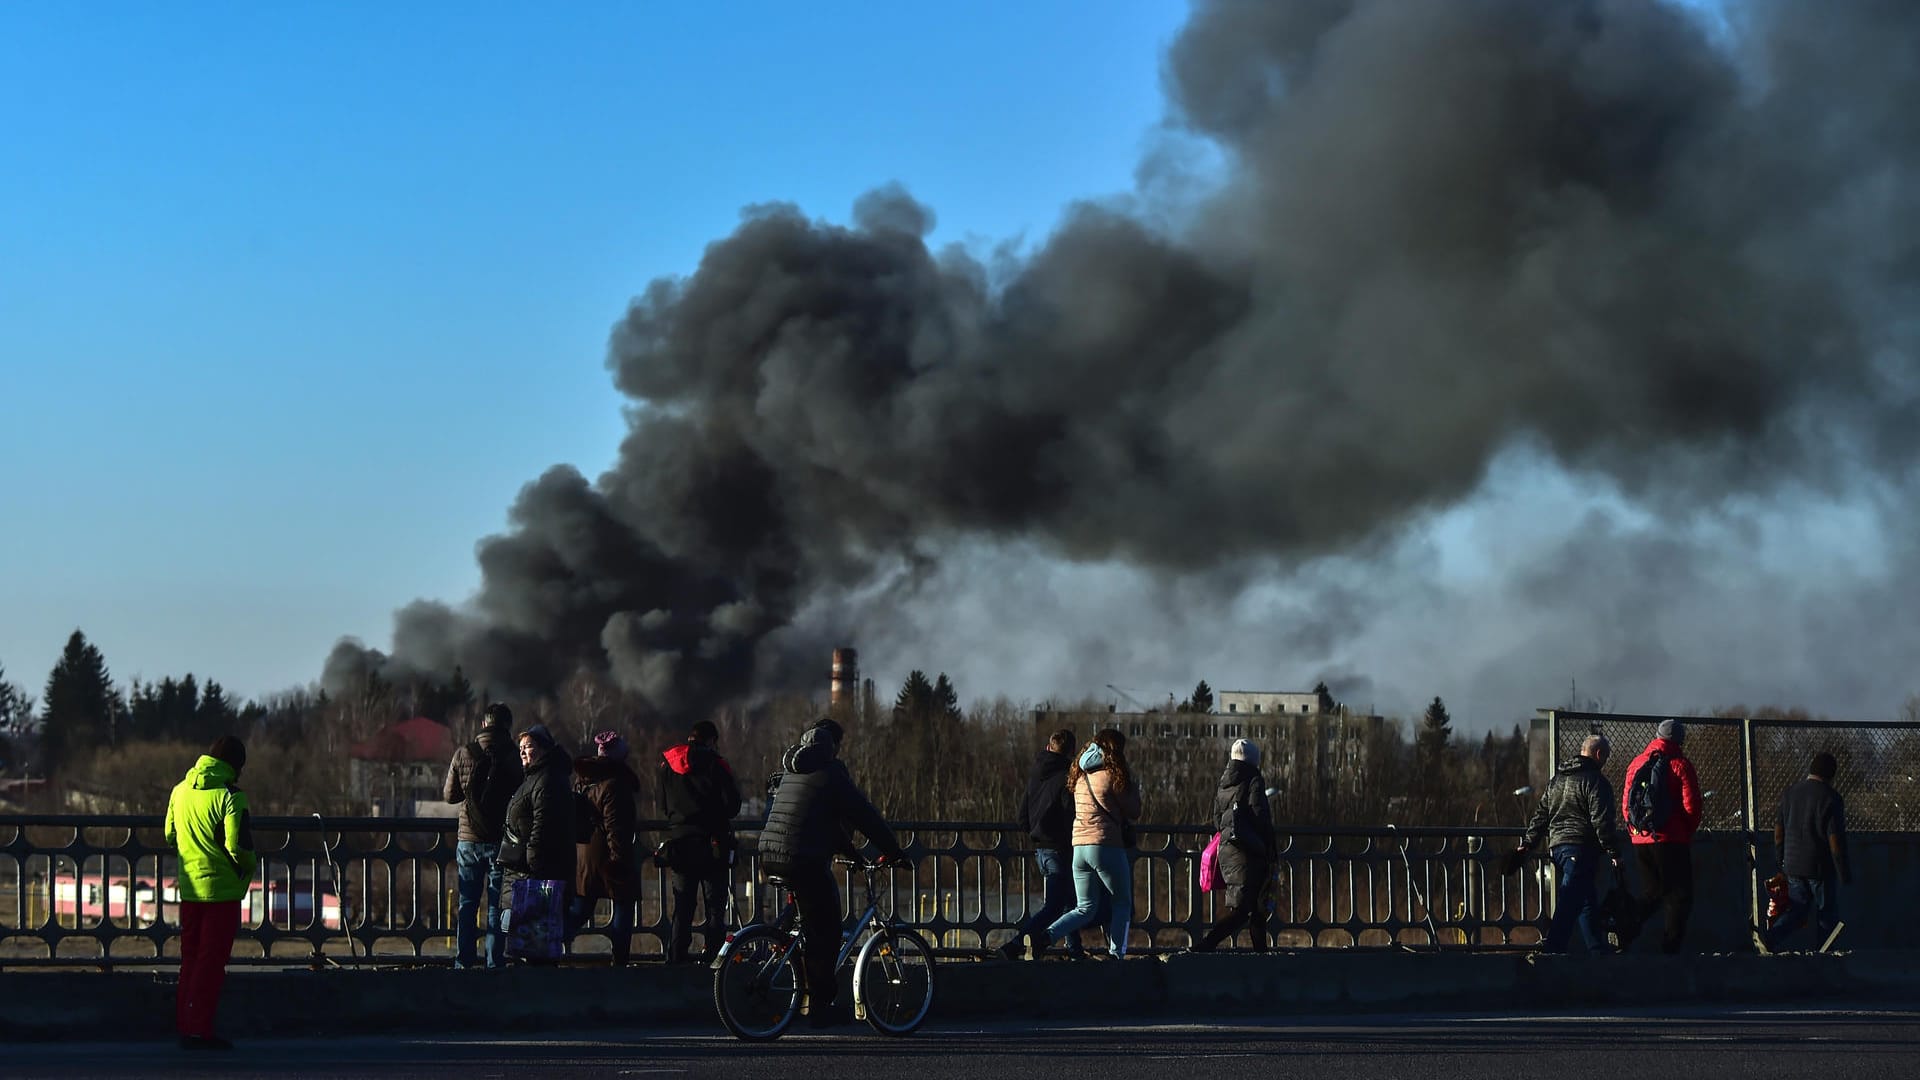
x,y
1056,896
1805,895
478,864
1575,898
1099,870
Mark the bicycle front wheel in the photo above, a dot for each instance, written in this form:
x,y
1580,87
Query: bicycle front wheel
x,y
756,987
893,980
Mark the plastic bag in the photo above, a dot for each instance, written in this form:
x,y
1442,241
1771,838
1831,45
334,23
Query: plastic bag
x,y
1210,866
536,923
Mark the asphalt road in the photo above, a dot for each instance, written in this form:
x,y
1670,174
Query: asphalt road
x,y
1866,1043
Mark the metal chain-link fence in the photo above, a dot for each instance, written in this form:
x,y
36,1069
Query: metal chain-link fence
x,y
1878,763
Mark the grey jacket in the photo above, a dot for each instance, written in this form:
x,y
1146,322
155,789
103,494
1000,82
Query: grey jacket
x,y
1578,808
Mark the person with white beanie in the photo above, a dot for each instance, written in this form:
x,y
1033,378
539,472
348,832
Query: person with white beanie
x,y
1248,845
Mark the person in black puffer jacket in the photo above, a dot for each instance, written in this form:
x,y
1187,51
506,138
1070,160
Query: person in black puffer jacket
x,y
1048,822
1577,818
1246,863
538,840
699,798
814,805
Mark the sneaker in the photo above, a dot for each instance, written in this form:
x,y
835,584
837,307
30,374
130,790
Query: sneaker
x,y
1013,950
204,1042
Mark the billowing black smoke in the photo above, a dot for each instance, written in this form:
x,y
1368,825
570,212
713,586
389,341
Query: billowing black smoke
x,y
1677,258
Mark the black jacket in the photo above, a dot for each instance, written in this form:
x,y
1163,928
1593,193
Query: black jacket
x,y
814,806
1044,814
698,795
538,841
1242,784
496,771
1578,808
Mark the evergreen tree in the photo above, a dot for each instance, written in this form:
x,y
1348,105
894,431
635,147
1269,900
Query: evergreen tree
x,y
1436,727
915,703
81,707
1202,699
16,717
946,702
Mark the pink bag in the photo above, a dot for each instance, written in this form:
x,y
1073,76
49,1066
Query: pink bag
x,y
1210,866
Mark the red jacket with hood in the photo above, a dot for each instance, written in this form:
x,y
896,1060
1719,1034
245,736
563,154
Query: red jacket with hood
x,y
1686,816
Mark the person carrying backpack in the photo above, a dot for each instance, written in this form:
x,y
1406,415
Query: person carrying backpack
x,y
481,778
1575,819
1662,804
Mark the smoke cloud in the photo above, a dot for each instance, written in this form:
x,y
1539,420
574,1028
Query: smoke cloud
x,y
1674,261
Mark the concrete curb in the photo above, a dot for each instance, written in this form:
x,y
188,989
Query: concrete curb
x,y
126,1005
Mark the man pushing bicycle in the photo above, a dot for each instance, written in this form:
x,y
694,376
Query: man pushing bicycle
x,y
815,806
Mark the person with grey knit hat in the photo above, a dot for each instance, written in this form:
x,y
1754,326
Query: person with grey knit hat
x,y
1248,845
1671,809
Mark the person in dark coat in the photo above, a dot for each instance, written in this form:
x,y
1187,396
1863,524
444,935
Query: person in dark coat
x,y
1579,821
1246,862
608,869
1048,822
537,841
481,780
1810,837
815,804
699,799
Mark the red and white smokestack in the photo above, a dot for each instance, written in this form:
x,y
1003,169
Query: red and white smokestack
x,y
845,687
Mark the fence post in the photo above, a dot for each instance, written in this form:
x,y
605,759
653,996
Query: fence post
x,y
1752,821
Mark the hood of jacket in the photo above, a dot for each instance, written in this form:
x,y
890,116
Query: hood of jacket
x,y
688,759
1576,763
210,773
815,751
1238,772
1666,746
1049,763
595,769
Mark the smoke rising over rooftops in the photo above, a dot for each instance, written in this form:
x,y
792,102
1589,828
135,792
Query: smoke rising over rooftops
x,y
1680,265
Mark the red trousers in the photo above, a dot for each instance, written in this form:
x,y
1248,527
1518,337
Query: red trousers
x,y
207,930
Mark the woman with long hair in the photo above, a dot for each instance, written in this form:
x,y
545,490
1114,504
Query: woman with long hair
x,y
1106,802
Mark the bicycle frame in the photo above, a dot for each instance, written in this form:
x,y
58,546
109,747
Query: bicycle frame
x,y
788,921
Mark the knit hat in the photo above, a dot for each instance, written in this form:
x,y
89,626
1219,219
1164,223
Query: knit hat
x,y
609,744
497,716
1672,731
539,734
1245,750
230,750
829,727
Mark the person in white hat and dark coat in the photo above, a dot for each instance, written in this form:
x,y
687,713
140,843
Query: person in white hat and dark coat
x,y
1247,848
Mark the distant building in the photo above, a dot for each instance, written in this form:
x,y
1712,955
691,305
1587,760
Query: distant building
x,y
398,772
1309,741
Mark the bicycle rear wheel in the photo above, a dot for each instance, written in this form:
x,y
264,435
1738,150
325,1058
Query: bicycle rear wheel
x,y
756,988
893,980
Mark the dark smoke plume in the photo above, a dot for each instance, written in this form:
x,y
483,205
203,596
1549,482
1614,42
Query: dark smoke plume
x,y
1681,262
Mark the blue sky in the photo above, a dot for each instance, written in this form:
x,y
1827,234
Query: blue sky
x,y
293,298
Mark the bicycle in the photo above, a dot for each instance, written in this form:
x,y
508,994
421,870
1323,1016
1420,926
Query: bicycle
x,y
756,975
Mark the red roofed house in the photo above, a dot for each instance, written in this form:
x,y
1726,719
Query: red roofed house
x,y
398,772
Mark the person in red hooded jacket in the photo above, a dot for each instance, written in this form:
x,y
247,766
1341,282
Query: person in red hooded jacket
x,y
1665,854
699,798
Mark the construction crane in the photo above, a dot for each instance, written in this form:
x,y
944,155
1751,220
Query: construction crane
x,y
1138,705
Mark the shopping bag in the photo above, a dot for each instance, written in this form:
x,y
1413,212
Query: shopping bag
x,y
536,924
1210,865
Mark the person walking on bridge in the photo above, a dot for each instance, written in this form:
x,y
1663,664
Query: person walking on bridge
x,y
1577,819
1106,801
1244,818
210,826
1048,822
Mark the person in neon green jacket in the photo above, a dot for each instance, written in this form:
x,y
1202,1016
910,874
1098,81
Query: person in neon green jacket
x,y
209,826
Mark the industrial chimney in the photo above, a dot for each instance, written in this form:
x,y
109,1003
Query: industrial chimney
x,y
843,695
